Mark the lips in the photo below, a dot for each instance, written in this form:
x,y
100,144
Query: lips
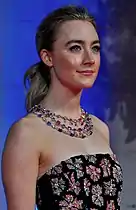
x,y
86,72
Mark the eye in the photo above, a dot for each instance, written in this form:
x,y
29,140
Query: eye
x,y
75,48
96,49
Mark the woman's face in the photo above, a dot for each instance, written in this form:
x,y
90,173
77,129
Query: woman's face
x,y
76,55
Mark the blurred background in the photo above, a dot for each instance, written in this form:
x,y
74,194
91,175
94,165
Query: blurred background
x,y
113,97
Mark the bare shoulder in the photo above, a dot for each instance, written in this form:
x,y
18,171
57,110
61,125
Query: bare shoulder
x,y
101,127
23,131
20,160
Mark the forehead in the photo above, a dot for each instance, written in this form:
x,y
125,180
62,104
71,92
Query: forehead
x,y
77,29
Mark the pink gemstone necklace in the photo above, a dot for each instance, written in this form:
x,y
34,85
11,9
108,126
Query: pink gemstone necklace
x,y
80,128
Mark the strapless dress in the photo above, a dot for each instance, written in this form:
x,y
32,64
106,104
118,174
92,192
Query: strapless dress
x,y
87,182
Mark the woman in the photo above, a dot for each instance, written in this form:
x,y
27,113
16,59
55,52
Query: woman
x,y
58,150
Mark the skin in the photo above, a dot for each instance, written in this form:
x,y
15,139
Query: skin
x,y
31,146
66,61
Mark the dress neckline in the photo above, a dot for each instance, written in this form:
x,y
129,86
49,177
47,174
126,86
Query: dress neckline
x,y
111,155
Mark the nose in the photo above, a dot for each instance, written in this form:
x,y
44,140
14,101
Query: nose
x,y
88,58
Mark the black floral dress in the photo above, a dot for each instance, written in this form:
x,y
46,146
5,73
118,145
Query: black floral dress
x,y
88,182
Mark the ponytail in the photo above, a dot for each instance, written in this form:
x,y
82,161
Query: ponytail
x,y
37,81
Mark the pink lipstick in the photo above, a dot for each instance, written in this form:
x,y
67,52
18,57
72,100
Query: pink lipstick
x,y
87,72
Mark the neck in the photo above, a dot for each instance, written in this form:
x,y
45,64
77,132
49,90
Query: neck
x,y
63,102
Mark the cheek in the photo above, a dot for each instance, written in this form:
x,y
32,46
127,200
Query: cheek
x,y
75,61
69,62
97,61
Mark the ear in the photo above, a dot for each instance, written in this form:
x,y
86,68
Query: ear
x,y
46,57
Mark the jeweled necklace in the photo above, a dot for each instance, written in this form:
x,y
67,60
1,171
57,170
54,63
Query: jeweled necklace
x,y
81,127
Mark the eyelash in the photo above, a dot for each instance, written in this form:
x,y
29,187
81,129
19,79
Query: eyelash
x,y
97,48
74,48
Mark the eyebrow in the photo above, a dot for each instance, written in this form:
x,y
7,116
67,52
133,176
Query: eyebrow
x,y
81,42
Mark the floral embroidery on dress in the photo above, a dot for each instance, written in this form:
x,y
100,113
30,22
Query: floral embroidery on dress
x,y
71,203
105,164
119,198
97,197
117,173
87,182
73,184
94,172
58,185
110,188
55,170
110,205
76,165
87,185
91,158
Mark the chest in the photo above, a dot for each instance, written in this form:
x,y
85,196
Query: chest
x,y
59,146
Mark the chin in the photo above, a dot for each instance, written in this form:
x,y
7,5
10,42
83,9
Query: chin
x,y
83,84
88,84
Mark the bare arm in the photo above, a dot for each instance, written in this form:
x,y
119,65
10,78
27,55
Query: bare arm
x,y
20,167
